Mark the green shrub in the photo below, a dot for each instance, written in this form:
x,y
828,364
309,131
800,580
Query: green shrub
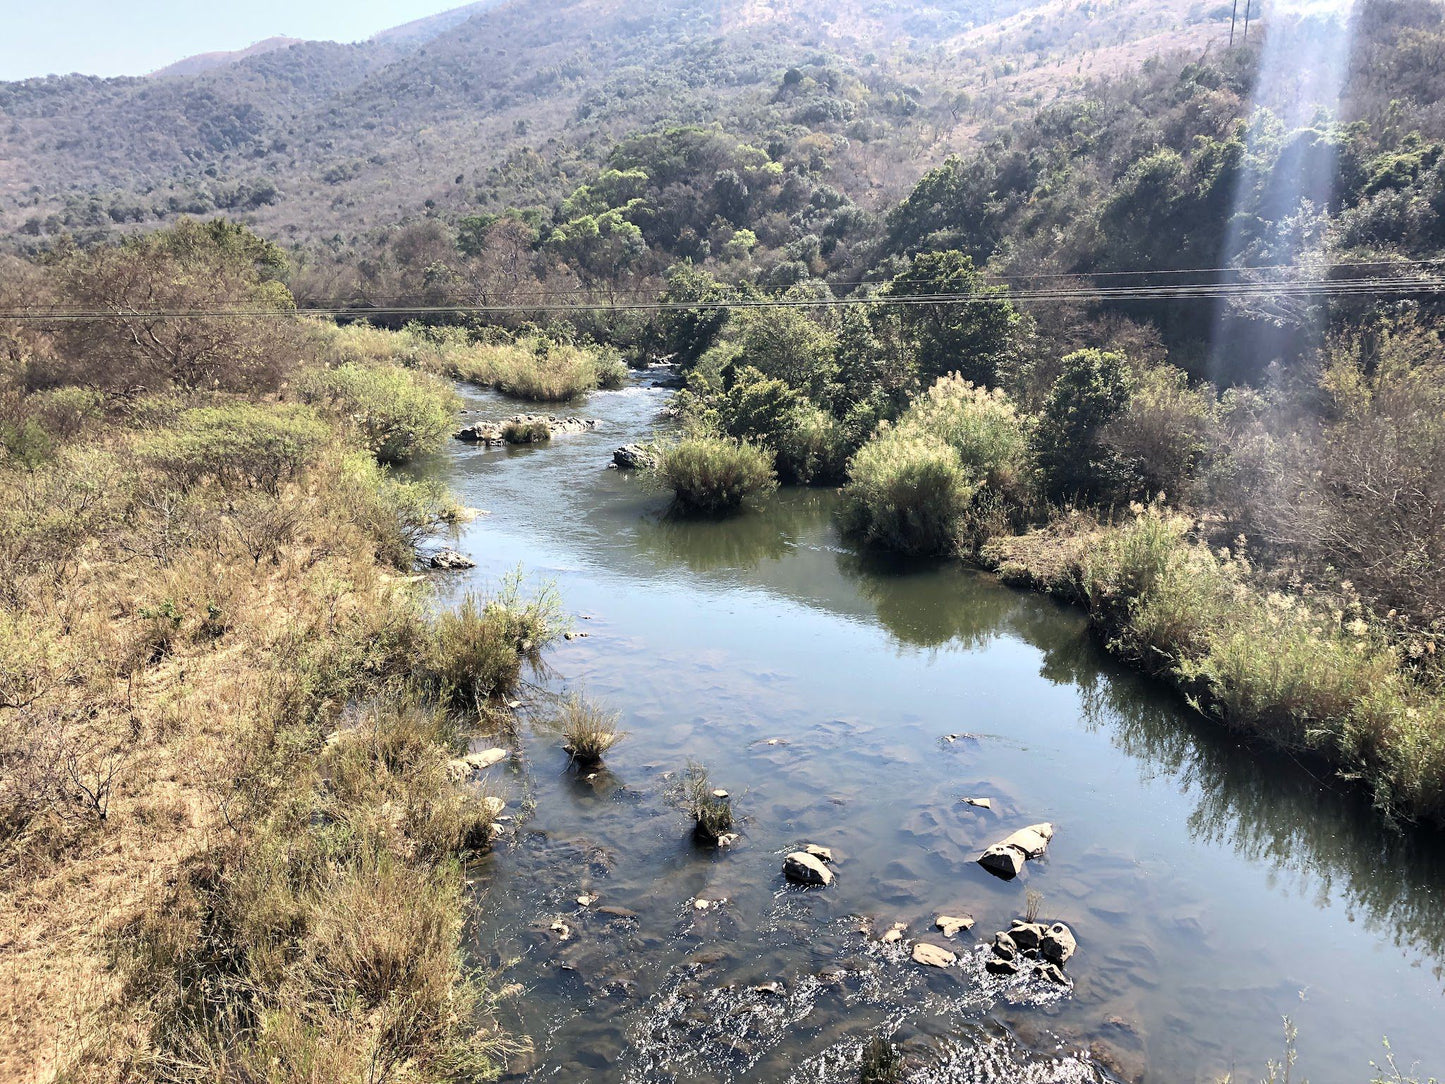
x,y
714,474
237,444
397,415
395,514
1300,671
611,372
908,493
959,454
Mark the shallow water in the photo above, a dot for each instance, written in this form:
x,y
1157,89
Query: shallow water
x,y
1214,888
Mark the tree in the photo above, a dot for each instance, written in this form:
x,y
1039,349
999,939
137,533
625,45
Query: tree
x,y
1092,390
974,331
195,306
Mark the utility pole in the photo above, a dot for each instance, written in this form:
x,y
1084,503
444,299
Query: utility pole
x,y
1247,5
1233,15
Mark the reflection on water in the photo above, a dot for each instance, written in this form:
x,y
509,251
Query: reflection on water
x,y
1214,887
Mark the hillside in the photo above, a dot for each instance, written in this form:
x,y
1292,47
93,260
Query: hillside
x,y
204,62
318,137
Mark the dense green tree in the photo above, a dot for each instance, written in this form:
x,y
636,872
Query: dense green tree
x,y
973,329
1092,390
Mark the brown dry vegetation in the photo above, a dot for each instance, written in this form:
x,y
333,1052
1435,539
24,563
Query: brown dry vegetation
x,y
231,827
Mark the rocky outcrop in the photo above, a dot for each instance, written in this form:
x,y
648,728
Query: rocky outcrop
x,y
802,868
1006,859
525,429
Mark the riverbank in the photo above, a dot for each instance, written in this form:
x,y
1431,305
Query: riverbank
x,y
1300,666
232,814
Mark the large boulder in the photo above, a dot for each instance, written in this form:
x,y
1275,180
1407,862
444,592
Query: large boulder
x,y
1033,840
1006,858
802,868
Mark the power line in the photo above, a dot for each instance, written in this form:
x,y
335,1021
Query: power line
x,y
1262,290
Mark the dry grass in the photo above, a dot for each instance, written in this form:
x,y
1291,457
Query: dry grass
x,y
588,731
173,654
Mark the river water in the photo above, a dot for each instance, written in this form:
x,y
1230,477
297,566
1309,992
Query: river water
x,y
1214,888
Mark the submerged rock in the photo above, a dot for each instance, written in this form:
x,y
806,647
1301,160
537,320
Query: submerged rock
x,y
1053,973
803,868
932,955
951,924
450,561
494,805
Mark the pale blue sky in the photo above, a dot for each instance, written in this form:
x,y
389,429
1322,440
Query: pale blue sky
x,y
132,37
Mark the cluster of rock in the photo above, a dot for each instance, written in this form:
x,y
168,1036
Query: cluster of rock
x,y
1006,859
1047,947
632,457
525,429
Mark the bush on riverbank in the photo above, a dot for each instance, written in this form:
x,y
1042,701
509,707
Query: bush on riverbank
x,y
714,474
398,415
1306,670
953,463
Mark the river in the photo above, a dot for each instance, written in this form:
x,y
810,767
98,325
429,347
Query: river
x,y
1214,887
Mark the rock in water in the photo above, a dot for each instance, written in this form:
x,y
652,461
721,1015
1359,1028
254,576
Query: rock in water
x,y
997,965
932,955
1058,944
825,853
951,924
981,803
1032,841
1006,859
633,457
803,868
1005,862
486,758
494,805
450,561
1053,973
1026,935
895,933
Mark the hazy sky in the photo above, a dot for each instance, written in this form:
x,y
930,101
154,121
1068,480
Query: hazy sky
x,y
132,37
